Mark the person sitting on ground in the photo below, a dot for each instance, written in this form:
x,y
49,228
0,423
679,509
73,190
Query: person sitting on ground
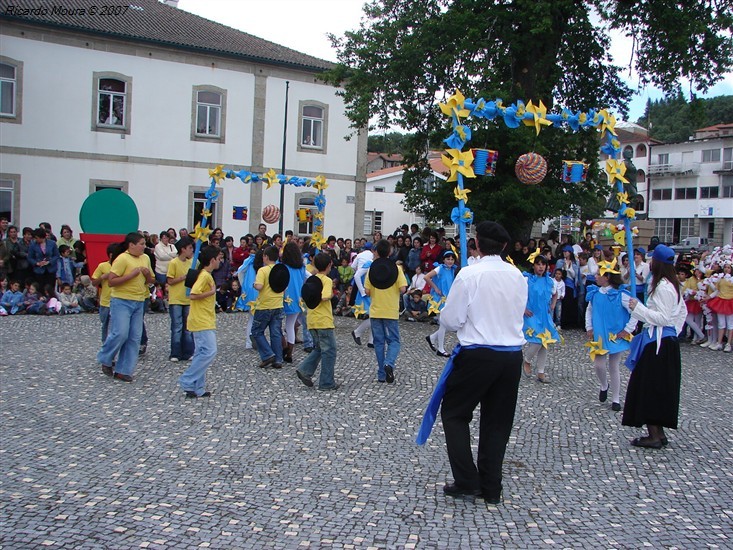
x,y
35,302
12,299
69,300
87,295
416,308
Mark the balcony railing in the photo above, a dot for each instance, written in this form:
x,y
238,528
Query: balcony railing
x,y
679,169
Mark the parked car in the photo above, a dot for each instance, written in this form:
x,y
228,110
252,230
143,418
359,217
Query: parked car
x,y
700,244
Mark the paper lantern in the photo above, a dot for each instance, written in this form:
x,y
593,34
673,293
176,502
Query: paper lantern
x,y
270,214
574,171
484,162
531,168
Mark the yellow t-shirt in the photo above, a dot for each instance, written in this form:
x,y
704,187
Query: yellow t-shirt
x,y
725,289
177,292
136,289
267,298
321,316
386,302
105,290
202,315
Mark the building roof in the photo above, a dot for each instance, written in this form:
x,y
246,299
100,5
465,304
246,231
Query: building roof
x,y
154,22
436,166
716,127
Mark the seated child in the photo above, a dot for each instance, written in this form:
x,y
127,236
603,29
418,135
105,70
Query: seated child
x,y
343,306
157,299
416,308
87,295
35,302
12,299
69,300
346,274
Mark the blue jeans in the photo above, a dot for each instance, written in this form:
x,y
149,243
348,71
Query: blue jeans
x,y
557,314
307,338
104,319
181,338
161,278
324,350
194,379
272,318
126,328
386,333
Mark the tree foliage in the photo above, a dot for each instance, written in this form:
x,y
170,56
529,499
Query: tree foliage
x,y
390,143
674,119
406,54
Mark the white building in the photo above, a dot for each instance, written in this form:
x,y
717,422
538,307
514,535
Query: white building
x,y
692,186
147,99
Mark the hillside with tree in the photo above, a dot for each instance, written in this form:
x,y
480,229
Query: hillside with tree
x,y
675,119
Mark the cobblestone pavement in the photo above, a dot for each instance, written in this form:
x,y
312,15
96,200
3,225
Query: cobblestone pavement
x,y
88,462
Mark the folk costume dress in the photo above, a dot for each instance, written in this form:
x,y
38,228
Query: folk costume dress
x,y
291,301
247,300
539,330
608,315
362,303
444,277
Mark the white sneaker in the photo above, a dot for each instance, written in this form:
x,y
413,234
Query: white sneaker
x,y
706,344
174,359
727,348
715,347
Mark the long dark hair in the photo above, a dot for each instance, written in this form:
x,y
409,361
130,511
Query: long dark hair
x,y
259,260
130,238
206,255
292,256
660,271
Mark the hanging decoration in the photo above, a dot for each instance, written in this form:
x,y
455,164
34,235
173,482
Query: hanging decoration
x,y
531,168
270,213
484,162
574,171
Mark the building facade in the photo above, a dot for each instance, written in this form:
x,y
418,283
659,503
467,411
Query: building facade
x,y
691,190
147,101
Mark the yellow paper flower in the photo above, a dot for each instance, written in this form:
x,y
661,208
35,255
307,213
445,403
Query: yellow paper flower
x,y
433,306
317,239
608,122
454,106
252,306
270,177
630,213
530,332
620,237
358,310
611,336
461,194
318,215
607,267
539,114
459,162
217,173
616,170
596,348
510,261
628,337
206,213
623,197
201,233
546,338
320,183
287,300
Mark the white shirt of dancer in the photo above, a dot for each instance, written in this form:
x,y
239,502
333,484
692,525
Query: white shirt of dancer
x,y
486,304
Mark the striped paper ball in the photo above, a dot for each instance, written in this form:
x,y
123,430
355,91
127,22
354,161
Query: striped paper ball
x,y
270,213
531,168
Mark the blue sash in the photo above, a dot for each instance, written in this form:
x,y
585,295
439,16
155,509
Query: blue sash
x,y
642,340
431,411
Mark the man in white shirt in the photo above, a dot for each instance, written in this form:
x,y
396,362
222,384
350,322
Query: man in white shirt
x,y
486,309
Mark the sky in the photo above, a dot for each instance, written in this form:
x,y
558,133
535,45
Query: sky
x,y
304,24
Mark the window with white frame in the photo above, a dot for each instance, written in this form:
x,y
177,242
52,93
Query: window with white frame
x,y
662,194
728,158
687,228
709,192
665,229
197,203
372,222
312,126
663,158
711,155
379,189
685,193
727,186
8,85
209,114
7,199
306,202
112,93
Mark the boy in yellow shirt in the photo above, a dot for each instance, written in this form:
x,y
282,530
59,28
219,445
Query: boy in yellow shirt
x,y
317,294
202,323
100,279
271,281
179,304
385,282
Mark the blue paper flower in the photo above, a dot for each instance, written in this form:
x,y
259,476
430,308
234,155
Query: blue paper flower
x,y
514,114
461,134
320,202
461,215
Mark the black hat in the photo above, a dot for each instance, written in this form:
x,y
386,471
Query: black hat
x,y
312,291
191,277
383,273
493,231
279,278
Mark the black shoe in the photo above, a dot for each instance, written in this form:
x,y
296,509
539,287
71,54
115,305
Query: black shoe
x,y
143,349
389,374
107,371
123,377
277,365
616,407
442,354
267,362
335,386
356,338
192,395
646,443
305,379
491,499
370,345
430,343
451,490
664,441
603,395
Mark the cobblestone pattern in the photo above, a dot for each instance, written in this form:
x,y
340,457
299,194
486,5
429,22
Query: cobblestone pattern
x,y
88,462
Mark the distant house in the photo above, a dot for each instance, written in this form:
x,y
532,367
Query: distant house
x,y
146,98
380,161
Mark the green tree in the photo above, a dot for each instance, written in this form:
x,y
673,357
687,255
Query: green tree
x,y
408,53
674,119
390,143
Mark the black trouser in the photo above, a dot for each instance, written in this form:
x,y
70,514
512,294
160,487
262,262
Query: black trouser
x,y
490,378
